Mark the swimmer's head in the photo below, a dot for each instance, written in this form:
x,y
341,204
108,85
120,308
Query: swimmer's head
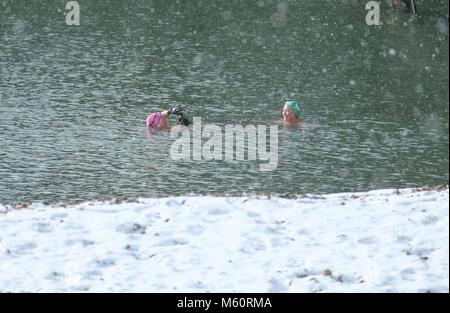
x,y
295,107
292,111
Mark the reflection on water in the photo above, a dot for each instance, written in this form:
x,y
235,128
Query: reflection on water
x,y
73,101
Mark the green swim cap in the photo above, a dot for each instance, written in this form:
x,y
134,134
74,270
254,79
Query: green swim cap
x,y
295,107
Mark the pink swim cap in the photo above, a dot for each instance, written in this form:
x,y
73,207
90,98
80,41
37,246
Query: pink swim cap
x,y
153,120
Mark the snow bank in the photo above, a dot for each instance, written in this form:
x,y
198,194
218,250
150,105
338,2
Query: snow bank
x,y
379,241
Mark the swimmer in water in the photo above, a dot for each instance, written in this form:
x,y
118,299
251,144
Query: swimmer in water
x,y
158,120
291,113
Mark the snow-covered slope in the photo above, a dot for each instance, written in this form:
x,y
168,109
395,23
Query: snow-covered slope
x,y
379,241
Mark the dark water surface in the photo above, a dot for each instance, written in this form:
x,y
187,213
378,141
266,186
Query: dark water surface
x,y
73,99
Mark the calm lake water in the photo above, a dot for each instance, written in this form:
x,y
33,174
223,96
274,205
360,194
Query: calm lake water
x,y
73,99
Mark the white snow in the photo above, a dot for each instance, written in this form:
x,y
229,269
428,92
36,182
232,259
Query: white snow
x,y
379,241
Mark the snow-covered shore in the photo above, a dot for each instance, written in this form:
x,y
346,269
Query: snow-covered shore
x,y
379,241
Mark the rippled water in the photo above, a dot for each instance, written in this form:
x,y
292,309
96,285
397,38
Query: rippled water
x,y
73,100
